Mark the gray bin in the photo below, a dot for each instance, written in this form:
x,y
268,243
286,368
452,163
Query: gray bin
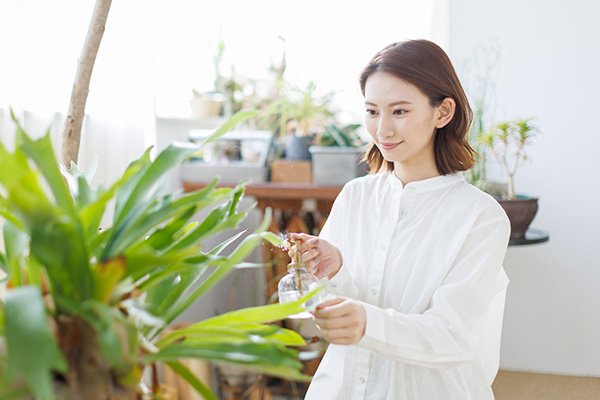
x,y
334,166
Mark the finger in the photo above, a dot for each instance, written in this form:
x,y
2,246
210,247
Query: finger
x,y
313,265
336,323
330,302
309,255
322,310
336,310
303,237
310,243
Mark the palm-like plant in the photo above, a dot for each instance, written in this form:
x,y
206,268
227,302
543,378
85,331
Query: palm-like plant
x,y
507,142
83,306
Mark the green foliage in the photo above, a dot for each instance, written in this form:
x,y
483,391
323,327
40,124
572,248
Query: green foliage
x,y
127,281
303,112
507,142
343,137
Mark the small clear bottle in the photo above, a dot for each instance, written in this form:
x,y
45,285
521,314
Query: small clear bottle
x,y
297,283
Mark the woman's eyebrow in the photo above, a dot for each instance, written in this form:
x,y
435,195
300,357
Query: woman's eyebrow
x,y
395,103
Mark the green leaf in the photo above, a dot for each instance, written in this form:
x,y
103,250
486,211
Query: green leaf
x,y
15,242
235,120
265,356
91,213
41,152
32,350
167,159
233,332
14,395
138,223
79,182
261,314
185,373
107,275
224,266
68,269
137,169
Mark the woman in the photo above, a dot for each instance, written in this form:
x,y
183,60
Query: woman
x,y
412,251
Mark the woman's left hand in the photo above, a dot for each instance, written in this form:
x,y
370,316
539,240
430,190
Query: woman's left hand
x,y
342,321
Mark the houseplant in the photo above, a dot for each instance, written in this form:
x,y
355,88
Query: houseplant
x,y
303,115
337,155
83,306
507,142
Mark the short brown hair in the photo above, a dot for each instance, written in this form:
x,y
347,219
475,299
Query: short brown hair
x,y
425,65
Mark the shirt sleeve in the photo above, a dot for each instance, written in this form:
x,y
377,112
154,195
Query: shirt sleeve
x,y
447,334
333,231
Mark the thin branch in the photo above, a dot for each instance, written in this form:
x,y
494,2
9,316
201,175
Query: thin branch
x,y
71,135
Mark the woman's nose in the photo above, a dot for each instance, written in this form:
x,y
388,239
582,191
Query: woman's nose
x,y
385,128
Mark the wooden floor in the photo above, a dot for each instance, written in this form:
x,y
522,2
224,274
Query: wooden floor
x,y
529,386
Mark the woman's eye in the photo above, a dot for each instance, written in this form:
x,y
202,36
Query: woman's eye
x,y
371,112
399,112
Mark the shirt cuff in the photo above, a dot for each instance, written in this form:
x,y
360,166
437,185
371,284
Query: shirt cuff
x,y
341,284
374,327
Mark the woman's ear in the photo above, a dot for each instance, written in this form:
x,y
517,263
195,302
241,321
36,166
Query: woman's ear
x,y
446,112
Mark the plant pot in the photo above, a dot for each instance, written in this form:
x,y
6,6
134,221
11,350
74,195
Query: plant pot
x,y
297,147
334,166
520,212
237,376
205,105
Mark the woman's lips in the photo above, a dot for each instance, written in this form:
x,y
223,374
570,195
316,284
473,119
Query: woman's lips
x,y
389,146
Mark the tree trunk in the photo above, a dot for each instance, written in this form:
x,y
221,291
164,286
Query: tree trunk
x,y
71,135
89,376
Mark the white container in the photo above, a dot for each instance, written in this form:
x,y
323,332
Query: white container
x,y
334,166
205,105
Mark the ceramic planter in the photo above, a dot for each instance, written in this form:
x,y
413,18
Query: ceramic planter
x,y
520,212
334,166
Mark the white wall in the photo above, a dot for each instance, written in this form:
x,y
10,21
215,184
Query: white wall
x,y
549,70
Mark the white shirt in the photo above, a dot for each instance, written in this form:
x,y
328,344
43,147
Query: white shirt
x,y
425,261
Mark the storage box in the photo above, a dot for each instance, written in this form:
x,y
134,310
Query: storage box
x,y
291,171
334,166
237,156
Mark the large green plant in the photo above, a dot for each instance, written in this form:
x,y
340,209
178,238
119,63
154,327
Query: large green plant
x,y
83,305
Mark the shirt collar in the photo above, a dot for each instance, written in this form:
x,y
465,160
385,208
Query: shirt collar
x,y
426,185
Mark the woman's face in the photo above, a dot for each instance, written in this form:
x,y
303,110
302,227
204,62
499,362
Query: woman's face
x,y
401,122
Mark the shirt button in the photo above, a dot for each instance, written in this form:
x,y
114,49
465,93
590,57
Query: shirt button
x,y
403,212
373,292
382,247
333,285
411,188
362,379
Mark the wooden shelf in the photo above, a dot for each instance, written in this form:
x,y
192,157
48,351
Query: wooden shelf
x,y
280,190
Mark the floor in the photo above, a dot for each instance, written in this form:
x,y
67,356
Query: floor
x,y
511,385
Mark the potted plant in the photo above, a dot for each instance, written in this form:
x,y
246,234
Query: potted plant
x,y
337,155
83,305
304,115
301,115
507,142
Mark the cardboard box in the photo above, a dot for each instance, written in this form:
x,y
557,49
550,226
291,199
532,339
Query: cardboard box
x,y
291,171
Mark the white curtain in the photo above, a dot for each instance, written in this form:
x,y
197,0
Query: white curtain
x,y
40,43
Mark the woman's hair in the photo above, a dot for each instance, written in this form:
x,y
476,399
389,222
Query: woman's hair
x,y
425,65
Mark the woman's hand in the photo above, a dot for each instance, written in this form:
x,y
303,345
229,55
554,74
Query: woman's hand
x,y
342,321
322,258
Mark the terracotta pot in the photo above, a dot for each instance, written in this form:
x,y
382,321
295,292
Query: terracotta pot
x,y
520,212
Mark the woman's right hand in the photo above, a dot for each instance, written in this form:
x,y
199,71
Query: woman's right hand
x,y
322,258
